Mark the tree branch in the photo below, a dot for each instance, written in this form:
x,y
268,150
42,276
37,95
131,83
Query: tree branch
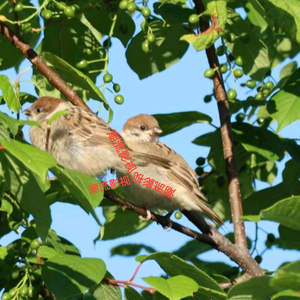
x,y
210,234
38,62
227,138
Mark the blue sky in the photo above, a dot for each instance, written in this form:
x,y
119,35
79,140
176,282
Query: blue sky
x,y
180,88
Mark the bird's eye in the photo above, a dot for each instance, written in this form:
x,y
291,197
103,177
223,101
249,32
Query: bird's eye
x,y
143,127
38,110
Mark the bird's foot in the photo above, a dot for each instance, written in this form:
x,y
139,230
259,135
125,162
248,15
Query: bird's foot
x,y
148,217
168,221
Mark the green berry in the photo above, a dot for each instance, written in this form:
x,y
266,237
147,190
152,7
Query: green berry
x,y
259,96
207,98
31,292
116,87
199,171
19,7
178,215
61,5
35,244
131,7
23,291
200,161
220,50
88,51
232,37
46,14
15,274
146,12
260,120
223,68
145,46
238,73
69,11
82,64
240,117
239,61
107,78
231,94
151,38
119,99
6,296
123,4
271,237
258,259
193,19
13,292
269,85
209,73
251,84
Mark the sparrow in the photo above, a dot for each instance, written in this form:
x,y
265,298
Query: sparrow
x,y
78,139
141,134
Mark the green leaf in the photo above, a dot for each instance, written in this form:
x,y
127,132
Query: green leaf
x,y
132,294
252,289
286,295
102,20
255,53
103,291
285,104
266,171
173,266
68,40
120,222
287,277
57,115
13,56
259,141
5,206
78,185
130,249
9,94
13,124
170,123
287,238
175,288
36,160
256,14
286,212
292,148
166,51
79,81
285,16
218,12
23,185
267,197
286,73
173,13
69,275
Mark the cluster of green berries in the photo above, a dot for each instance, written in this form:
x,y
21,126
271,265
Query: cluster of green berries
x,y
61,8
107,78
29,281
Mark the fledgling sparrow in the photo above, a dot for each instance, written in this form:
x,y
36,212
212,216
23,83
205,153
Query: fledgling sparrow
x,y
78,140
141,134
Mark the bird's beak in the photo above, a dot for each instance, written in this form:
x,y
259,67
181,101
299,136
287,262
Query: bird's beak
x,y
158,130
27,112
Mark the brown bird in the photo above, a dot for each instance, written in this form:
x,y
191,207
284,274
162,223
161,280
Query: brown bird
x,y
141,135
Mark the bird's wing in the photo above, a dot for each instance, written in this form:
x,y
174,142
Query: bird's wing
x,y
165,157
